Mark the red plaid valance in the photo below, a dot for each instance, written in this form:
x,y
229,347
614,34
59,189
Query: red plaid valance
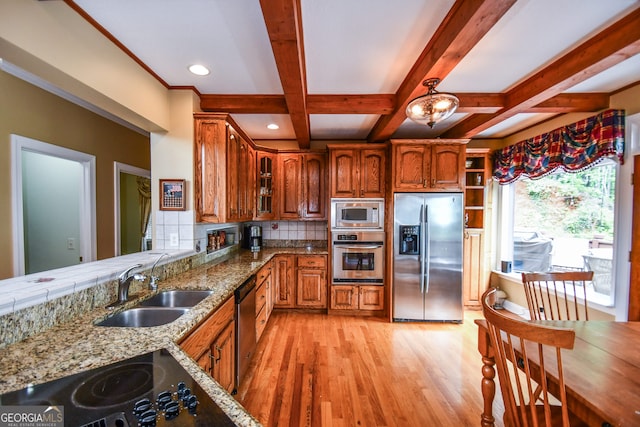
x,y
574,147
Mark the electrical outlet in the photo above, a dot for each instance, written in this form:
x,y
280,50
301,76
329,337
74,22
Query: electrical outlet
x,y
173,239
71,243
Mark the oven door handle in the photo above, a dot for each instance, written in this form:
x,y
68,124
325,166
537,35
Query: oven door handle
x,y
358,246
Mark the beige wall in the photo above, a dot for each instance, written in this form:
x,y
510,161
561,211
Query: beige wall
x,y
34,113
54,43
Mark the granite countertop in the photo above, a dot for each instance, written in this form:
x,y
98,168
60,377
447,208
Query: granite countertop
x,y
79,345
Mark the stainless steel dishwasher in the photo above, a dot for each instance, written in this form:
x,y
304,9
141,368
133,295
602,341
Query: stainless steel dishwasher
x,y
246,326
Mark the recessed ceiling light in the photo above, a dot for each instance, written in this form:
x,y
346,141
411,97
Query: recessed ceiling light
x,y
199,70
273,126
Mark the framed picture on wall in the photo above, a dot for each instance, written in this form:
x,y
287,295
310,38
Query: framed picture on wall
x,y
172,194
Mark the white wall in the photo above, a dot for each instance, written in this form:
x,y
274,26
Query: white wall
x,y
172,158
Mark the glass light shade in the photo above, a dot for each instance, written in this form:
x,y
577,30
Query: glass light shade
x,y
432,108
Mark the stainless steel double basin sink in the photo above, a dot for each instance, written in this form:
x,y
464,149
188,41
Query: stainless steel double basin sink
x,y
160,309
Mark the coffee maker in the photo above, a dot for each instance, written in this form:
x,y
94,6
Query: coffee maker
x,y
252,238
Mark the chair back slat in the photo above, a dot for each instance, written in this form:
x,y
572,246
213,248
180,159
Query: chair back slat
x,y
555,295
526,390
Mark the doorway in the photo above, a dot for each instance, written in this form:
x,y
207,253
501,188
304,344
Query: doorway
x,y
132,202
53,206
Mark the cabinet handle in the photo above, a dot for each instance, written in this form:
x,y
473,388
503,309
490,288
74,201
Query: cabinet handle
x,y
424,183
433,182
219,350
361,193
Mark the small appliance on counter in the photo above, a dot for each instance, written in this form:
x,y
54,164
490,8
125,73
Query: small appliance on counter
x,y
252,237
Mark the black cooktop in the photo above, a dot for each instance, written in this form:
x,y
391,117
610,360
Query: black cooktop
x,y
149,390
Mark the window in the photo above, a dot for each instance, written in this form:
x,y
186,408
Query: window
x,y
561,222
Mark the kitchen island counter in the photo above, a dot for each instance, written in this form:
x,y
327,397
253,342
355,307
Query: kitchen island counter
x,y
77,346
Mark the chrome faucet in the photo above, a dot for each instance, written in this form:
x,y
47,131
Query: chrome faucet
x,y
124,281
153,282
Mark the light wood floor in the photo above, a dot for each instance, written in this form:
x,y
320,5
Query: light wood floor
x,y
318,370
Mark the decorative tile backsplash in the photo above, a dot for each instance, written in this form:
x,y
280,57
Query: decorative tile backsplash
x,y
293,230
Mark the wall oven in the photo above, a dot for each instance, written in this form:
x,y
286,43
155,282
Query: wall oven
x,y
358,257
357,213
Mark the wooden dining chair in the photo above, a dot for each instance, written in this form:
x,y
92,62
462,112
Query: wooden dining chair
x,y
530,398
554,295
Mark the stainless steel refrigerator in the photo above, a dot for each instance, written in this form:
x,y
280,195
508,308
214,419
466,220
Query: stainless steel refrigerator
x,y
427,257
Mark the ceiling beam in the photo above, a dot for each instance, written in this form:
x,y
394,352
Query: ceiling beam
x,y
284,25
473,103
246,104
350,104
572,103
611,46
463,27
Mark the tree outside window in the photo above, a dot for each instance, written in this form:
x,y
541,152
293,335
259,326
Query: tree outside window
x,y
565,221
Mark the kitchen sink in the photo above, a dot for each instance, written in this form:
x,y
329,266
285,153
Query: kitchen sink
x,y
175,299
143,317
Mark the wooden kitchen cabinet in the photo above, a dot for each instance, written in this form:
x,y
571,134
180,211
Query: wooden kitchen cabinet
x,y
428,165
264,304
266,188
314,186
474,282
357,297
357,171
290,172
302,186
223,365
224,178
212,344
283,281
240,178
300,281
475,257
311,290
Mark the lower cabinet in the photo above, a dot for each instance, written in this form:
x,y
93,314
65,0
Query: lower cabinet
x,y
264,298
474,280
354,297
311,283
300,281
212,345
284,286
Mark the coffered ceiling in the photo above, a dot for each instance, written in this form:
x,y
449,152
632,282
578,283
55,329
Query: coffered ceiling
x,y
345,69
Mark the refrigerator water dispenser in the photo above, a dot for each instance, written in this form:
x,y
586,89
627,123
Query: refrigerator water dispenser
x,y
409,240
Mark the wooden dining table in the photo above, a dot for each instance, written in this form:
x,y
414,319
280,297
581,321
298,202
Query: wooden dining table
x,y
601,373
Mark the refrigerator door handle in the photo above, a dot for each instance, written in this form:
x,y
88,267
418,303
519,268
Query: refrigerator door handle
x,y
421,257
427,251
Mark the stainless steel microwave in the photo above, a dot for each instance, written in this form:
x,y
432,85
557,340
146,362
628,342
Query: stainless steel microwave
x,y
357,213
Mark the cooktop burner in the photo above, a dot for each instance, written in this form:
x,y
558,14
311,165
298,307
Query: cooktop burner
x,y
149,390
121,384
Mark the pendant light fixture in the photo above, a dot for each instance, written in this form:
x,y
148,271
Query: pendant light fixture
x,y
433,107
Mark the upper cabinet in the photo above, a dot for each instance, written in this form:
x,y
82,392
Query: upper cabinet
x,y
428,165
266,203
302,188
224,181
357,171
